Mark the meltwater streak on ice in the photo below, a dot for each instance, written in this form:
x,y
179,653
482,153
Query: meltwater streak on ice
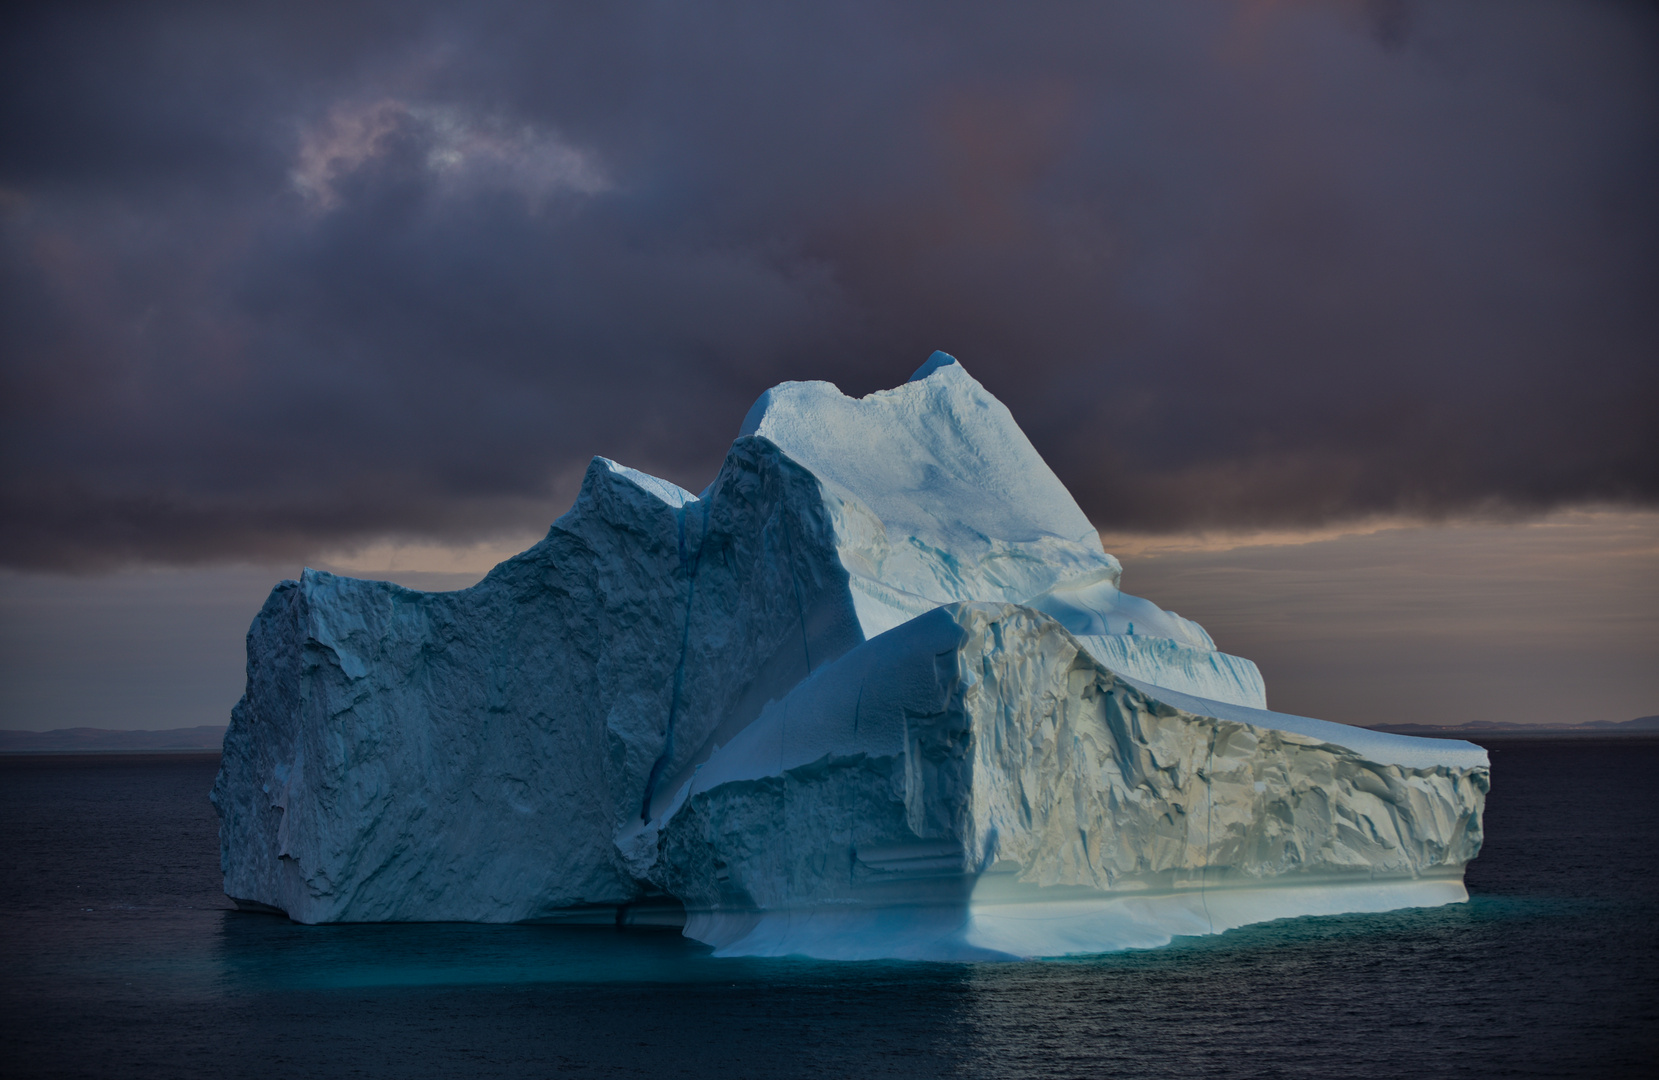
x,y
874,693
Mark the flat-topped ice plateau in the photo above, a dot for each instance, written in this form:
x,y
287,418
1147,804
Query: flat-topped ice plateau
x,y
875,692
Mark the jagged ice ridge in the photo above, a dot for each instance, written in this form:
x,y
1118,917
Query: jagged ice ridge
x,y
874,693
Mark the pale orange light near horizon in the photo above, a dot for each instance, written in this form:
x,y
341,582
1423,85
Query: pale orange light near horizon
x,y
1636,532
1641,525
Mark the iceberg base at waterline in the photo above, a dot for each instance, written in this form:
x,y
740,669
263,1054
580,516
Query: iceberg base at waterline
x,y
1041,928
876,692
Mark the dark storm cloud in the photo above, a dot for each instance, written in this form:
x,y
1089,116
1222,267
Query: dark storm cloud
x,y
273,281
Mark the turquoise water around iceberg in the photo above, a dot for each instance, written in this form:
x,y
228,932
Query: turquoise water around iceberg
x,y
122,959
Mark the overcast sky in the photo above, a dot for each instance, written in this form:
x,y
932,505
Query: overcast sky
x,y
282,282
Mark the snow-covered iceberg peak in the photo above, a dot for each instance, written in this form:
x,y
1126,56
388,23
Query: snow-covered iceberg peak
x,y
938,497
874,692
937,457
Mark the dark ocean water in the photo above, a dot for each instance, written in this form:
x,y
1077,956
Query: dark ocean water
x,y
121,959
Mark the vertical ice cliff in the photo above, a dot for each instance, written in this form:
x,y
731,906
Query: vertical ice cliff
x,y
975,783
875,692
475,755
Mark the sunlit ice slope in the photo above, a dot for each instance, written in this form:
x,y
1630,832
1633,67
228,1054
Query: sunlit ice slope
x,y
937,497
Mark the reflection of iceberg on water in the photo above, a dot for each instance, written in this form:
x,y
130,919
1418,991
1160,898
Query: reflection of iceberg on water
x,y
874,693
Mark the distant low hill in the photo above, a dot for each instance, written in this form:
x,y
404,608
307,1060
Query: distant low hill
x,y
106,741
1489,727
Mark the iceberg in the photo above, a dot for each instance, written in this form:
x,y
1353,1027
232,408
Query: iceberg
x,y
875,692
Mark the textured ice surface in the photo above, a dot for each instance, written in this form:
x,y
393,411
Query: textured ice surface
x,y
937,496
875,692
975,782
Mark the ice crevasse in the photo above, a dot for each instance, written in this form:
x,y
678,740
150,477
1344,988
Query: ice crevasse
x,y
875,692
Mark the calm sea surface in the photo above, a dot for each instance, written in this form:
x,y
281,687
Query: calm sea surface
x,y
120,958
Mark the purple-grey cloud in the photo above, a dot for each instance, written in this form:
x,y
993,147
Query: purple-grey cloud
x,y
275,279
